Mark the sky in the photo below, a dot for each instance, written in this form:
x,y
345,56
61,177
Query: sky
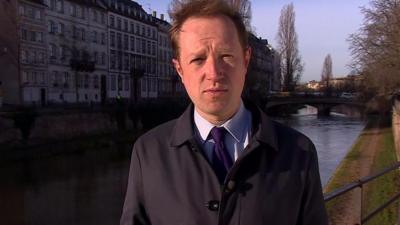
x,y
323,27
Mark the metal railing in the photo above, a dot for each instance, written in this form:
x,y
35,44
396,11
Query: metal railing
x,y
359,184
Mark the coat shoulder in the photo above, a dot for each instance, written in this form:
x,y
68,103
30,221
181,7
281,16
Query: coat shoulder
x,y
287,134
160,133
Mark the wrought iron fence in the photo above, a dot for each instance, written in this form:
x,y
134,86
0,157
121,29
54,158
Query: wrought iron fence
x,y
360,184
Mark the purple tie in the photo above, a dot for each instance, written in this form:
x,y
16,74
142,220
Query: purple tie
x,y
221,160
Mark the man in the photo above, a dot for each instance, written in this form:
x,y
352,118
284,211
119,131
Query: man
x,y
223,161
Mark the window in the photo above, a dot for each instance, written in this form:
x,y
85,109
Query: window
x,y
96,81
21,10
83,34
54,78
119,83
61,29
62,52
113,83
94,36
24,34
60,6
112,21
119,23
38,15
24,56
72,9
103,38
125,25
126,42
132,43
53,51
66,80
126,61
41,57
96,57
25,78
132,28
112,39
103,18
112,59
144,84
86,85
74,32
52,4
103,58
50,26
119,40
94,15
126,84
42,78
138,45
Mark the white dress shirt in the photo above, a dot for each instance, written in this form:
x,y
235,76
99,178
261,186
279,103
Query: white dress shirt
x,y
237,136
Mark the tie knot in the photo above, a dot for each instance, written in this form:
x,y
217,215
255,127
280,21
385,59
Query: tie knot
x,y
217,134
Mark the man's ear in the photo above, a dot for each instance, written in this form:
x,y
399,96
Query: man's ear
x,y
178,67
247,56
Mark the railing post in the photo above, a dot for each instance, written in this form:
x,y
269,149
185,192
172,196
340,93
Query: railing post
x,y
361,202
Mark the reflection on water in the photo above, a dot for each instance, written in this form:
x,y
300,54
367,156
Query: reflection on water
x,y
81,189
333,136
88,188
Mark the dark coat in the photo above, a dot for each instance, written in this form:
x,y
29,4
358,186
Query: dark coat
x,y
275,181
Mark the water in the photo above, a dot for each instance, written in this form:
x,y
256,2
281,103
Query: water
x,y
332,136
88,187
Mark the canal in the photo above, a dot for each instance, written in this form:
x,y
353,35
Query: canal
x,y
88,187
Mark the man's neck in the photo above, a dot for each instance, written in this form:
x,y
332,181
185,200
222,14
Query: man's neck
x,y
217,120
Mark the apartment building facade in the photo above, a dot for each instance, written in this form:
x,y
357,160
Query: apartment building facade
x,y
77,50
132,50
23,61
91,51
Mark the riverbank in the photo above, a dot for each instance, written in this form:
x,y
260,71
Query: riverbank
x,y
373,150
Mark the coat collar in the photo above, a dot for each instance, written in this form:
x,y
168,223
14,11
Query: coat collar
x,y
264,129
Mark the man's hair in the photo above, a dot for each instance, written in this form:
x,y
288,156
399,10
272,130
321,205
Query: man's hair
x,y
181,10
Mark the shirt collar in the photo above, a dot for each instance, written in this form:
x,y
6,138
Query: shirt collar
x,y
236,126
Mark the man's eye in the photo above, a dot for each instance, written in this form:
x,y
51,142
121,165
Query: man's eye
x,y
197,60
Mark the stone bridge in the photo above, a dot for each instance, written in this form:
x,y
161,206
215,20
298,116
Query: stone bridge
x,y
322,103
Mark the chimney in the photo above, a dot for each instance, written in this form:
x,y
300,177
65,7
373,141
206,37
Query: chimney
x,y
162,16
155,14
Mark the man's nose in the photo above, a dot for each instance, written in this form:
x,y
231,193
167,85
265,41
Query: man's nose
x,y
214,69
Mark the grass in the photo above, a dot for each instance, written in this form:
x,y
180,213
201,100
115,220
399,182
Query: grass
x,y
383,188
343,175
376,192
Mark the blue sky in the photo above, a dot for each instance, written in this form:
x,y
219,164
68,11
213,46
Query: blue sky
x,y
322,26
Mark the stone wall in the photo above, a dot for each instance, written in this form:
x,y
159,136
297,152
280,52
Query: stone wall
x,y
61,126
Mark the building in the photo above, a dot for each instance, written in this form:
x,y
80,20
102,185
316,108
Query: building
x,y
314,85
264,68
92,51
168,80
77,51
133,51
23,56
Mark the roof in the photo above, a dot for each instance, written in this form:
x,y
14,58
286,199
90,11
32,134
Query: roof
x,y
39,2
138,14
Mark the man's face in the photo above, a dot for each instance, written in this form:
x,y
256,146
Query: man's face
x,y
212,65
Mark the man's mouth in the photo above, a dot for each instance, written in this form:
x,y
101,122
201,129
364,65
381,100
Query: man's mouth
x,y
215,90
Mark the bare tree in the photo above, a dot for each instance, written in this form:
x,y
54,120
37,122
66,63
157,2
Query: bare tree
x,y
291,65
326,75
376,46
